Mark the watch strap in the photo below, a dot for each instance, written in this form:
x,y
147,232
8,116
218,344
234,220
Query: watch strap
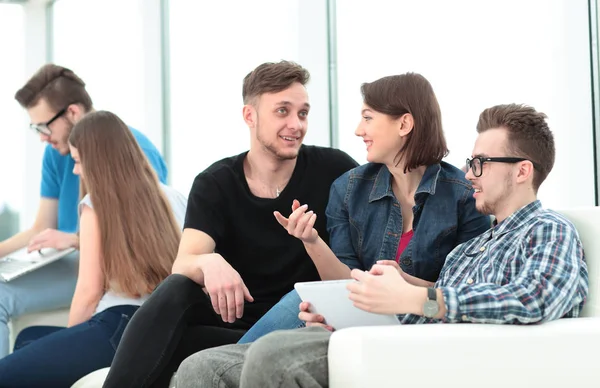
x,y
431,293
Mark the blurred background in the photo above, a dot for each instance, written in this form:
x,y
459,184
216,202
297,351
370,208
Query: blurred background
x,y
173,69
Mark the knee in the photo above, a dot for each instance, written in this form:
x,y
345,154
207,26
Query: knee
x,y
203,369
269,352
291,301
192,368
174,287
25,337
5,308
176,281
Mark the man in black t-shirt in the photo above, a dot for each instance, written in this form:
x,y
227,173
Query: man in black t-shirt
x,y
235,261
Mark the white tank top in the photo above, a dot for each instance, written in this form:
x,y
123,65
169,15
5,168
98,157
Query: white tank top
x,y
178,204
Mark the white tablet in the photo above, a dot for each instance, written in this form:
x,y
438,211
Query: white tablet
x,y
330,299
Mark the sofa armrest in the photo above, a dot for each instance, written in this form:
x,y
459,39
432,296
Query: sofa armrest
x,y
562,353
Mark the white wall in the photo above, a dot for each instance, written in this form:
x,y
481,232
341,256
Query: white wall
x,y
14,129
103,43
477,54
213,46
35,56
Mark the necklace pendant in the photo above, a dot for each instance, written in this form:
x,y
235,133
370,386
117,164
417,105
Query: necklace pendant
x,y
277,192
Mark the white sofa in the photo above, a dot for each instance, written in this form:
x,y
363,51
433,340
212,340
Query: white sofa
x,y
563,353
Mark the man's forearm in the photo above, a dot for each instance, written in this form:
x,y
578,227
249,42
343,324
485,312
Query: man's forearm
x,y
328,265
76,240
18,241
415,281
189,265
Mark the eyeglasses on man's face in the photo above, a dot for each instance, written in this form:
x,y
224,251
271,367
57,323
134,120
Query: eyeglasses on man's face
x,y
476,163
43,128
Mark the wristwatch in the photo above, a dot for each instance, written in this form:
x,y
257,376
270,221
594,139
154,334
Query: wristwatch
x,y
431,308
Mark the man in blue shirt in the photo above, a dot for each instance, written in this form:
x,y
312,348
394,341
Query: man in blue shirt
x,y
55,99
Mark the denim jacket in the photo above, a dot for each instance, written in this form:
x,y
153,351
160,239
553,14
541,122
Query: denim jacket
x,y
364,219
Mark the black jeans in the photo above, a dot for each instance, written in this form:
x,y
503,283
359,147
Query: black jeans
x,y
177,321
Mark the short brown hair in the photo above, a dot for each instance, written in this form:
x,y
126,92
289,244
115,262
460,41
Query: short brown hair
x,y
273,78
397,95
58,85
528,135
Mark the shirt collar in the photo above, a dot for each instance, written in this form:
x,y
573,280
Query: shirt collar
x,y
382,187
517,219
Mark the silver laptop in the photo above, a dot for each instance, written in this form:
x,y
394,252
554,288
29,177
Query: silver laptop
x,y
20,262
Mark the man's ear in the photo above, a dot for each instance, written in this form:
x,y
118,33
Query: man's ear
x,y
525,171
249,115
74,113
406,124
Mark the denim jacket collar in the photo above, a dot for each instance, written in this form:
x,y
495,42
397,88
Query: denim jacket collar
x,y
382,187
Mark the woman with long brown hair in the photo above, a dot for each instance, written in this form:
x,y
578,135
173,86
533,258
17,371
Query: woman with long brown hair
x,y
129,230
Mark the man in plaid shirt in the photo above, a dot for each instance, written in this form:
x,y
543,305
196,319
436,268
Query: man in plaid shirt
x,y
528,268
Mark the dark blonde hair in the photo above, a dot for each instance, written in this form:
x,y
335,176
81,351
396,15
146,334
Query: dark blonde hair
x,y
529,136
272,78
139,234
58,85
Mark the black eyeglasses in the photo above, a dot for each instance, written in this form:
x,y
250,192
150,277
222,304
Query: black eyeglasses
x,y
42,128
476,163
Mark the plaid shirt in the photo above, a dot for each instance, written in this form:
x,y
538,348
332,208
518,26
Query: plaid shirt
x,y
530,268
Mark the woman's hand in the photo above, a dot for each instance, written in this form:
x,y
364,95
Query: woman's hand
x,y
312,319
415,281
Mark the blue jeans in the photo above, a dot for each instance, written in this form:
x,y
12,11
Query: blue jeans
x,y
47,288
58,357
282,316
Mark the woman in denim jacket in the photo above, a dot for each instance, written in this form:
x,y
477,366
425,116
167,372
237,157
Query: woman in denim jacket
x,y
405,207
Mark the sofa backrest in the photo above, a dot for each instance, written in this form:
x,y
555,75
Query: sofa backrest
x,y
587,222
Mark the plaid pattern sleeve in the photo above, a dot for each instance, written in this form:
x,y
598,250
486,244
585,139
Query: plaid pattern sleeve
x,y
532,271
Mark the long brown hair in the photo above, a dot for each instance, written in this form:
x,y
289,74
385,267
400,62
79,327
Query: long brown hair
x,y
139,234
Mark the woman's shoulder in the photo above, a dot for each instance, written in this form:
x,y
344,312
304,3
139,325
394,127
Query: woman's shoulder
x,y
87,201
366,172
453,175
360,180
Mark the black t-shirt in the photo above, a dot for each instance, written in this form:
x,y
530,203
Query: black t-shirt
x,y
244,228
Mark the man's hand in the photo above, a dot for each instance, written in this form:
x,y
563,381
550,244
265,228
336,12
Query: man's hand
x,y
312,319
225,287
384,291
52,238
300,224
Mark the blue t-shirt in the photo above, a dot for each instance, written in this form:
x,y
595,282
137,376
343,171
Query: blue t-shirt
x,y
59,182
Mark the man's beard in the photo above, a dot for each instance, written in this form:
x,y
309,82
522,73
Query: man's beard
x,y
492,208
65,140
271,148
